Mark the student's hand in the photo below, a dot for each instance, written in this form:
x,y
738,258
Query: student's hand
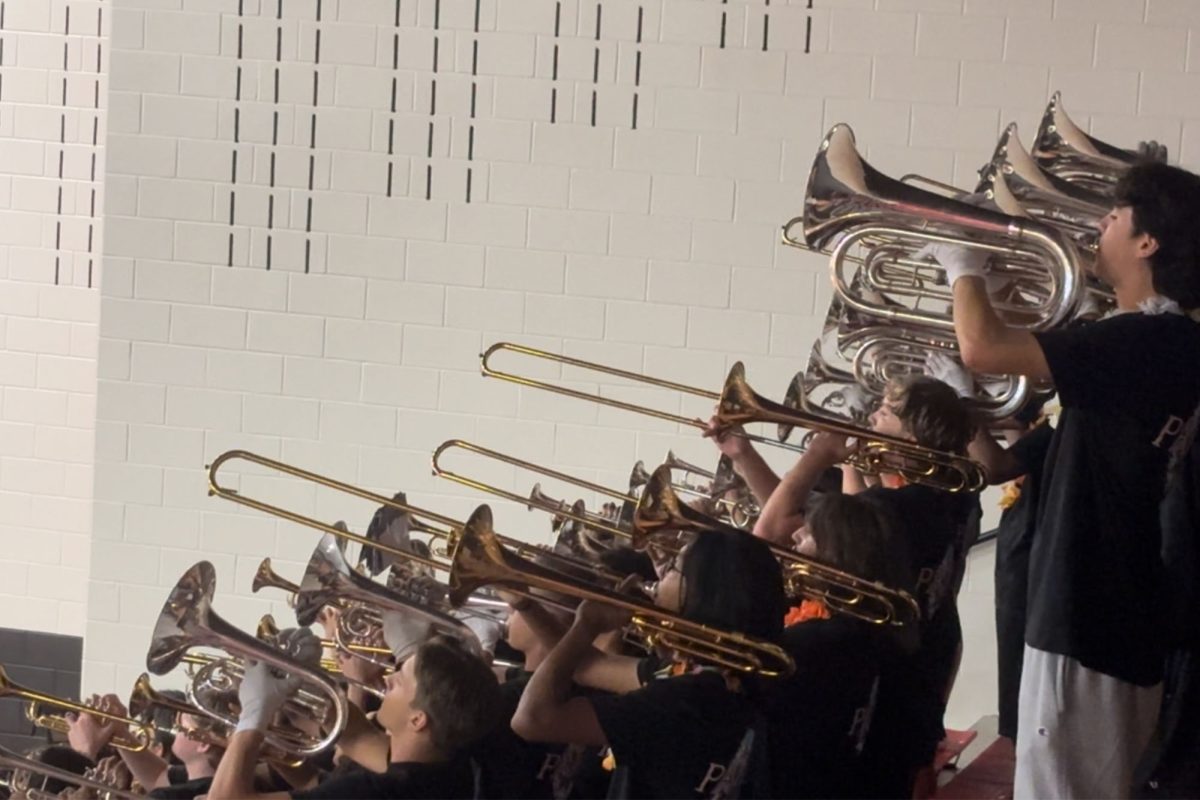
x,y
261,694
600,618
729,440
947,369
1151,150
87,733
958,261
830,448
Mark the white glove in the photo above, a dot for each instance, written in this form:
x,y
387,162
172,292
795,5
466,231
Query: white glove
x,y
489,631
261,694
946,369
958,261
859,402
403,633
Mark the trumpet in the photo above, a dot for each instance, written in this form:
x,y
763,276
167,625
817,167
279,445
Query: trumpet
x,y
140,739
480,559
187,620
21,768
738,404
265,577
659,510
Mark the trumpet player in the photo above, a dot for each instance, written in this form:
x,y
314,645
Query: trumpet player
x,y
193,747
1128,386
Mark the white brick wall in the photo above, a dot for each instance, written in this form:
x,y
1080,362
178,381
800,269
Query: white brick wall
x,y
51,145
652,247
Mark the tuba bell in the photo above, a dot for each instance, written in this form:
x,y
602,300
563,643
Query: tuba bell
x,y
1063,149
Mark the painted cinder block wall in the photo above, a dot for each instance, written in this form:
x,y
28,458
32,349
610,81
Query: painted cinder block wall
x,y
317,213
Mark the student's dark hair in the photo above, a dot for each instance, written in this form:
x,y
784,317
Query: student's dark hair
x,y
627,561
932,411
860,537
62,757
1165,202
731,580
457,691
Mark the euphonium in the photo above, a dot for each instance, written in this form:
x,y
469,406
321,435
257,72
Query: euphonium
x,y
187,620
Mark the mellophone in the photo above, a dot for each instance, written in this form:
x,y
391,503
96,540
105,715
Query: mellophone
x,y
1034,210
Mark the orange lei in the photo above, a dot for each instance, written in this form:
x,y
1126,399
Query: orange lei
x,y
808,609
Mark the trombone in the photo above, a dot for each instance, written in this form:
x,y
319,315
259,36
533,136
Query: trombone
x,y
140,739
659,510
22,767
480,559
738,404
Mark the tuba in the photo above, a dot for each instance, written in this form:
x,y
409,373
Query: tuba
x,y
849,203
187,620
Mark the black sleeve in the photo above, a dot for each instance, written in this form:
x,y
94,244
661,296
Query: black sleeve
x,y
358,784
647,667
631,721
1030,450
1100,365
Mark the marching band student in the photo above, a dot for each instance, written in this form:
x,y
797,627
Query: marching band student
x,y
841,725
443,698
932,523
198,757
690,732
1128,385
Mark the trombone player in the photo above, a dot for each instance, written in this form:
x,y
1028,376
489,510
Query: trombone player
x,y
1129,385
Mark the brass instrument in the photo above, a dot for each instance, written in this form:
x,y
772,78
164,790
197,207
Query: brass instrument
x,y
659,510
187,620
848,203
738,404
21,768
140,739
480,560
437,525
265,577
1063,149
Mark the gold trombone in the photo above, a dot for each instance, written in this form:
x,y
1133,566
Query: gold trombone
x,y
480,560
762,657
660,510
738,404
140,739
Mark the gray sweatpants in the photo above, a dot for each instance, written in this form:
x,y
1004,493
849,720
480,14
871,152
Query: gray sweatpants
x,y
1079,732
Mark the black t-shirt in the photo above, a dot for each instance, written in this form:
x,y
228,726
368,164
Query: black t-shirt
x,y
1128,386
513,767
934,527
451,780
1015,532
676,737
182,790
822,718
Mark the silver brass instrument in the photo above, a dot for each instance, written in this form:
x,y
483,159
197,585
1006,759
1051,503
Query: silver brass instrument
x,y
1063,149
187,620
848,203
